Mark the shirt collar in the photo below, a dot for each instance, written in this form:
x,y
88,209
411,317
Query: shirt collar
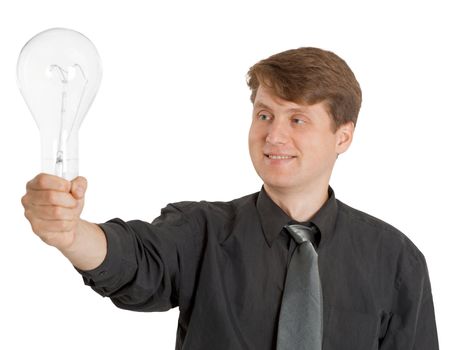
x,y
273,218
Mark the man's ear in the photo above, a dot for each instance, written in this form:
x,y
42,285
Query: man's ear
x,y
344,137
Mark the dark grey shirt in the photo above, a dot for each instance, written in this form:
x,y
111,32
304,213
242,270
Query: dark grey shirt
x,y
224,265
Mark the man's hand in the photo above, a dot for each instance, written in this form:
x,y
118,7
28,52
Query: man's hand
x,y
53,206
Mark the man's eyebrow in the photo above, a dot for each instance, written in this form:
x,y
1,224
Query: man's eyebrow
x,y
260,104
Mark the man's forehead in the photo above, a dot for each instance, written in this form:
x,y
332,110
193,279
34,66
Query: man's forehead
x,y
266,97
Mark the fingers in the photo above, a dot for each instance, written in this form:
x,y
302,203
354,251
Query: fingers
x,y
51,213
48,197
78,187
48,182
45,227
53,206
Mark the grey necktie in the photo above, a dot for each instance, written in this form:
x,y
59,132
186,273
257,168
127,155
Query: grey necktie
x,y
301,316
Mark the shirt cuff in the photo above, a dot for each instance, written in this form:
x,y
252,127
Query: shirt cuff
x,y
107,274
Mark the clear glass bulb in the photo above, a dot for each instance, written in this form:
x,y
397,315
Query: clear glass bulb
x,y
58,73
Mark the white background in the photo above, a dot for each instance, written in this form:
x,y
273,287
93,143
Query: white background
x,y
170,123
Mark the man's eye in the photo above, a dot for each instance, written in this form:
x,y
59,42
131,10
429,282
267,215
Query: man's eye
x,y
262,116
298,121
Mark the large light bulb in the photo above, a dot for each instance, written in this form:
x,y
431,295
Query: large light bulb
x,y
59,72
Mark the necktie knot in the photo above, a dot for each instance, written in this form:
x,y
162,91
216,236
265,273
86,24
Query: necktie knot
x,y
302,232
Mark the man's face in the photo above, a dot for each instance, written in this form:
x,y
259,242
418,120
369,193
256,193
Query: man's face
x,y
293,146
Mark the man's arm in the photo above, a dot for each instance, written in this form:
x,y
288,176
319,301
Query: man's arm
x,y
53,206
139,265
412,323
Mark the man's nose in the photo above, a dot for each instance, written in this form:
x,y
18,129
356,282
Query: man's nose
x,y
278,132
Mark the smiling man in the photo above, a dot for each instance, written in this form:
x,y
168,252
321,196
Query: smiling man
x,y
289,267
293,148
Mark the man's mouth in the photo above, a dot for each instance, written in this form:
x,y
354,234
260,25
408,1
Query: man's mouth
x,y
278,156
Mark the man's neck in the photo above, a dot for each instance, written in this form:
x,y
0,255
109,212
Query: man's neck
x,y
300,205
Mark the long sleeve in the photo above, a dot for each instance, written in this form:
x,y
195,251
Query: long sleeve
x,y
412,323
145,263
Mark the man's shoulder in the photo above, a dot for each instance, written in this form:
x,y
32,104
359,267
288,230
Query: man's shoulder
x,y
375,231
214,208
361,218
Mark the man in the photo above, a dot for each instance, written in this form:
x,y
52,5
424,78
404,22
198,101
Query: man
x,y
227,264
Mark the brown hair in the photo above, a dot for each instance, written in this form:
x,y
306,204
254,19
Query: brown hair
x,y
310,75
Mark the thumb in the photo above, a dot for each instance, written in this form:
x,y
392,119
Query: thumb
x,y
78,187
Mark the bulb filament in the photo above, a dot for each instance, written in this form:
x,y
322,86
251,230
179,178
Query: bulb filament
x,y
65,78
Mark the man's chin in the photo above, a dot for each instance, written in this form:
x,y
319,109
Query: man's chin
x,y
281,186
